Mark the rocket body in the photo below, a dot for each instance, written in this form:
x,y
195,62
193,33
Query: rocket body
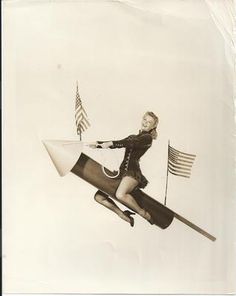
x,y
91,171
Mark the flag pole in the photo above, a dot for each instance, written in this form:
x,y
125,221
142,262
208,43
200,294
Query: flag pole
x,y
167,173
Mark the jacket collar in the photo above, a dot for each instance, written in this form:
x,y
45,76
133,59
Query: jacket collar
x,y
143,132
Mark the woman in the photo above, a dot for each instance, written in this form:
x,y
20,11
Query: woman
x,y
130,172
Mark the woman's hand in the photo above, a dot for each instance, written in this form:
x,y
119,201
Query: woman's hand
x,y
92,145
106,145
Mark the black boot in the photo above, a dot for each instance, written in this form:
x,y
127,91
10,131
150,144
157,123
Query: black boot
x,y
128,214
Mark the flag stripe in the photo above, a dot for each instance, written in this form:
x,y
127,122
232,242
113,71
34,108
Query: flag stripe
x,y
180,161
179,167
80,109
80,128
86,121
179,171
80,113
177,151
179,175
182,156
82,123
79,121
180,164
83,127
81,116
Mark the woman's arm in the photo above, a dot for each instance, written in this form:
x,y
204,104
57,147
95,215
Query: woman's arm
x,y
104,145
133,142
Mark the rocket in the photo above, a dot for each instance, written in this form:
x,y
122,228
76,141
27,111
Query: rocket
x,y
68,156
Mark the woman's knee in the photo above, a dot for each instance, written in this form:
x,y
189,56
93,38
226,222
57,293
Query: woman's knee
x,y
126,186
120,194
100,196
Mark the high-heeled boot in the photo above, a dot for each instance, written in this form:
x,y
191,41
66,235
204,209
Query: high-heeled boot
x,y
128,214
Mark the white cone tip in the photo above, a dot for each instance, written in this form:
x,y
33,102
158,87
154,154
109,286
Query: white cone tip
x,y
64,154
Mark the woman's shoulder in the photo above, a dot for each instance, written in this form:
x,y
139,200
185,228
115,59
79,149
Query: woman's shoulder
x,y
131,136
143,137
146,135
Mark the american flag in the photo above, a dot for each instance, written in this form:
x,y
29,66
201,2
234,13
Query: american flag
x,y
81,117
180,163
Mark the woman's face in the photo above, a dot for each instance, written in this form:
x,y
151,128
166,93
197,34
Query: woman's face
x,y
148,123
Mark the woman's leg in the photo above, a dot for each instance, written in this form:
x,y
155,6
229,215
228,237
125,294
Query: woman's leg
x,y
127,185
107,202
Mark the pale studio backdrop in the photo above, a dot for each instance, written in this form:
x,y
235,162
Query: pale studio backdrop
x,y
167,57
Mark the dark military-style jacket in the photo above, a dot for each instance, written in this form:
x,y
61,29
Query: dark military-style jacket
x,y
135,146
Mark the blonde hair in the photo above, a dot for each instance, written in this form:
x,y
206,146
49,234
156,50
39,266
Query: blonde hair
x,y
153,131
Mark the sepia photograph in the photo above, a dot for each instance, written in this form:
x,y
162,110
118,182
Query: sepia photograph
x,y
118,147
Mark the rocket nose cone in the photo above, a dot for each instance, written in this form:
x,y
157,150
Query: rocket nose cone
x,y
64,154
